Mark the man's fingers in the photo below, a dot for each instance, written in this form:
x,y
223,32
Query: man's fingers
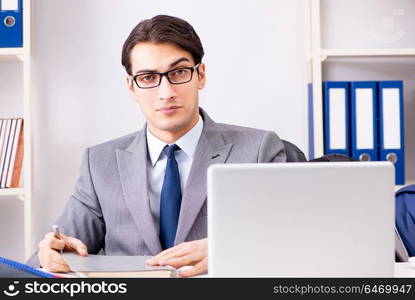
x,y
185,254
196,270
56,244
59,265
49,241
66,242
179,252
169,251
178,262
176,251
75,244
52,261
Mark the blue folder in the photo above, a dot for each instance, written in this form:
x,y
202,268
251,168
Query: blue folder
x,y
11,25
310,121
336,98
391,126
13,269
364,125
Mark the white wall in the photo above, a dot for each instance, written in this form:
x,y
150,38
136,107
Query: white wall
x,y
255,77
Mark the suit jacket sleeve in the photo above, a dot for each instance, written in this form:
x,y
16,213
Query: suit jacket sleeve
x,y
82,217
271,149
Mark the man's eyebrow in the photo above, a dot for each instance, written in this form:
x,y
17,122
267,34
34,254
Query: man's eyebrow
x,y
179,61
170,66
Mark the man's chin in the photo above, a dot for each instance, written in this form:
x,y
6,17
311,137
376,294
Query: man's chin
x,y
174,124
171,126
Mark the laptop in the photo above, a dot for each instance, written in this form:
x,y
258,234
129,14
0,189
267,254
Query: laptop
x,y
301,220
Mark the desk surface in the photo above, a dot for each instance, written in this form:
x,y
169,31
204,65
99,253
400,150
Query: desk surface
x,y
404,269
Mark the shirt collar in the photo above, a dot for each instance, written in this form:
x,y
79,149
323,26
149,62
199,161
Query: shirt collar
x,y
187,142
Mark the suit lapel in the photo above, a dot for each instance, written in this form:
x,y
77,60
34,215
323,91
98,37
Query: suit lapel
x,y
211,149
132,166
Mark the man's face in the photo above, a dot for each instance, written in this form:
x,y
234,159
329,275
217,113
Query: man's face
x,y
170,109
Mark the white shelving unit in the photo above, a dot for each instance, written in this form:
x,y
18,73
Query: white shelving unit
x,y
315,57
24,193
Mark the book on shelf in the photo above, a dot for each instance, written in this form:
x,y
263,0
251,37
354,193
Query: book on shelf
x,y
110,266
11,152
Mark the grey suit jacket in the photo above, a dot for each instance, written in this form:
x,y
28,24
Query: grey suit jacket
x,y
110,211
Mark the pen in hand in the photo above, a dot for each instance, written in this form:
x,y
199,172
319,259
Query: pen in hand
x,y
57,234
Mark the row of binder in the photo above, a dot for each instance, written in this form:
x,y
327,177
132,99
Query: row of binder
x,y
11,152
364,120
11,23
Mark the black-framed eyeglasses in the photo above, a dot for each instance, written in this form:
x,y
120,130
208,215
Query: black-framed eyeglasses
x,y
153,79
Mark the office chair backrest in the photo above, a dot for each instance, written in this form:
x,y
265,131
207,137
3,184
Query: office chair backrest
x,y
333,157
405,216
294,154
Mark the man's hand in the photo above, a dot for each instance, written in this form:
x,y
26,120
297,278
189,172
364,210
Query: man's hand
x,y
192,253
49,247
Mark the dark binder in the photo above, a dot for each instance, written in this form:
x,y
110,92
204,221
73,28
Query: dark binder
x,y
336,107
391,126
364,125
11,24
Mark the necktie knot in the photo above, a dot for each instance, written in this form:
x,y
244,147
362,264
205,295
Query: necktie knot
x,y
169,150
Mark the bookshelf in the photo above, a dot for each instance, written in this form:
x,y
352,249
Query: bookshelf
x,y
316,55
24,192
20,192
11,54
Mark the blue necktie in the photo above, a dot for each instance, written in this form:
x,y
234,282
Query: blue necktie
x,y
170,199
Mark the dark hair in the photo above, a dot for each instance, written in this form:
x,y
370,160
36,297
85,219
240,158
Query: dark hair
x,y
163,29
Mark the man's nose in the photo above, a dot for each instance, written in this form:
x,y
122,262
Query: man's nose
x,y
166,90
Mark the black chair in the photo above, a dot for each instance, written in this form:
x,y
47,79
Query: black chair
x,y
294,154
333,157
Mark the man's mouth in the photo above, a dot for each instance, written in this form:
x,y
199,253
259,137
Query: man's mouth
x,y
168,109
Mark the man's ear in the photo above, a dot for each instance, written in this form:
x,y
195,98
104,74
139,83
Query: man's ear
x,y
202,76
131,88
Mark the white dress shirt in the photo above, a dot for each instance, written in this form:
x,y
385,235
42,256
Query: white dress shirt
x,y
158,161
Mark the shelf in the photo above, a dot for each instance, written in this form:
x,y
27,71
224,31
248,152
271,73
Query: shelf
x,y
11,54
12,192
315,56
23,55
324,53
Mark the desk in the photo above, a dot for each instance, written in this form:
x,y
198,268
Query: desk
x,y
404,269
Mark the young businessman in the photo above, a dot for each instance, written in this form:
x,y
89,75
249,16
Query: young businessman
x,y
145,193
